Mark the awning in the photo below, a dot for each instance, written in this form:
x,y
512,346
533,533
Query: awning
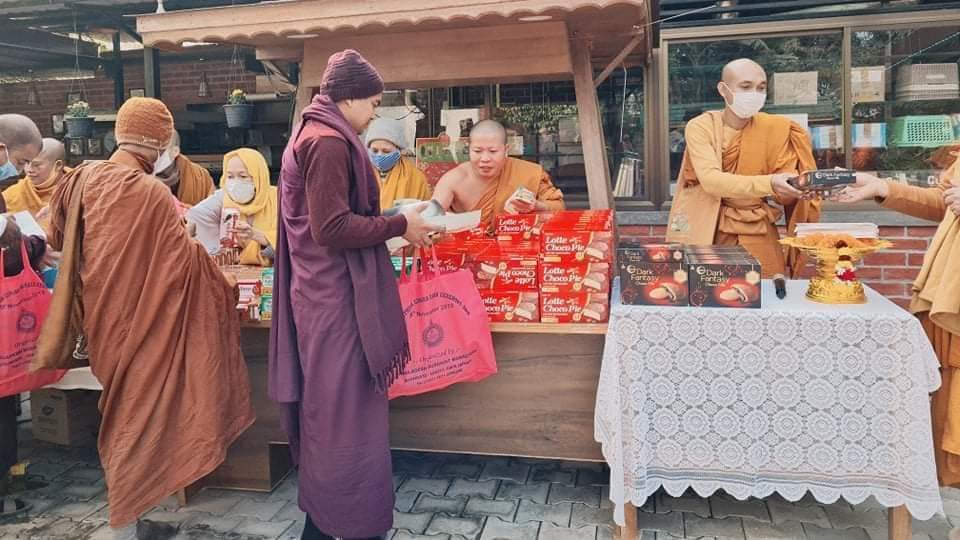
x,y
283,25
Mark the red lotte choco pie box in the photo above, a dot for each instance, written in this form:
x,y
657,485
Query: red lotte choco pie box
x,y
506,267
575,277
520,227
519,306
578,236
574,307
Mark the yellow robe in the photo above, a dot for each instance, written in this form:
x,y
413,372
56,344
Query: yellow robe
x,y
724,184
516,173
263,207
936,298
30,197
405,181
195,182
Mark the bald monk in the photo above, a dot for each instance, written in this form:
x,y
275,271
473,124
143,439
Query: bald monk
x,y
157,318
733,183
32,193
20,142
936,293
490,180
190,182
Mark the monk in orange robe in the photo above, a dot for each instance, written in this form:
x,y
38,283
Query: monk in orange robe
x,y
733,185
154,316
936,293
490,180
190,182
32,193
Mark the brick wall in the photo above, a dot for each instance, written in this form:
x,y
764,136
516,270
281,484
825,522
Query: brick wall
x,y
890,272
180,80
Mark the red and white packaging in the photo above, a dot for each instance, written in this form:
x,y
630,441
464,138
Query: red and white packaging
x,y
575,277
229,218
579,236
504,270
520,227
564,246
578,307
511,306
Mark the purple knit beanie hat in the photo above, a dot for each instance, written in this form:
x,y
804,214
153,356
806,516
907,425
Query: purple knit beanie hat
x,y
349,76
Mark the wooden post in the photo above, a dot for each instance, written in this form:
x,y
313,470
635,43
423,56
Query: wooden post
x,y
899,523
119,94
629,530
151,72
599,190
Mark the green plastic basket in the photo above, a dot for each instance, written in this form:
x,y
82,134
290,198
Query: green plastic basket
x,y
928,131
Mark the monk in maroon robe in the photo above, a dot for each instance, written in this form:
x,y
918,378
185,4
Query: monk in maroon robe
x,y
338,337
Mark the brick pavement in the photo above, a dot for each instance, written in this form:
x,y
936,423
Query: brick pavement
x,y
449,497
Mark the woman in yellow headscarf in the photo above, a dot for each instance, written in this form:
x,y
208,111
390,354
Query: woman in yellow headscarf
x,y
245,186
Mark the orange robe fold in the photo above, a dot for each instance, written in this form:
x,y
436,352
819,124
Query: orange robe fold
x,y
516,173
404,181
195,185
936,299
27,196
161,330
723,190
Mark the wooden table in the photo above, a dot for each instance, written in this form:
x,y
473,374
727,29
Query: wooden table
x,y
540,404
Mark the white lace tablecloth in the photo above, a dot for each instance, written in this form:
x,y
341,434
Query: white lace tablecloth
x,y
794,397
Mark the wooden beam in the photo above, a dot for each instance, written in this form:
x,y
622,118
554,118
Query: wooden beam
x,y
469,56
629,531
899,523
119,94
293,53
618,59
599,191
151,72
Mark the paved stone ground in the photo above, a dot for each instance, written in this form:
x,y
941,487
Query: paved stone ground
x,y
446,497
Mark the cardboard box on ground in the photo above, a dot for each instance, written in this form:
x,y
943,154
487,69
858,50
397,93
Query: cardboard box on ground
x,y
65,417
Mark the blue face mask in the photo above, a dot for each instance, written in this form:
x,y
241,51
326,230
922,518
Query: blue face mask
x,y
385,162
7,170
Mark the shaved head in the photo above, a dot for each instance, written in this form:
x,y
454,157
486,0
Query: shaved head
x,y
742,68
48,165
488,149
52,150
21,137
485,128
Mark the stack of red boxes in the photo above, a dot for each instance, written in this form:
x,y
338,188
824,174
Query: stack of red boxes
x,y
576,256
539,267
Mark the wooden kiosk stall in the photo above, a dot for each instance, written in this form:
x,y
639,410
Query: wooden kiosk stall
x,y
541,403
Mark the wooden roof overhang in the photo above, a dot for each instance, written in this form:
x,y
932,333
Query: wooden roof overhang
x,y
438,43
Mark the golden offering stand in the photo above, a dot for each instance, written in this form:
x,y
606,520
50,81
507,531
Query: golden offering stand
x,y
836,281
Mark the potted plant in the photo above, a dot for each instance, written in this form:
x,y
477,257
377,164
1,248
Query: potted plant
x,y
239,113
78,120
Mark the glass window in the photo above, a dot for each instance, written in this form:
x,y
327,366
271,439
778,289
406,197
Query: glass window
x,y
906,102
544,114
805,81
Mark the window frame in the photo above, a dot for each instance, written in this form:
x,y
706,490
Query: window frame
x,y
657,162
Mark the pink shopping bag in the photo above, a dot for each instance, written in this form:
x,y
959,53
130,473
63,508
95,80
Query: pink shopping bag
x,y
24,301
447,326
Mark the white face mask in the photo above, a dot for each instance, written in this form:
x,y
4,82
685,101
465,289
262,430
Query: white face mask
x,y
746,104
240,191
164,160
